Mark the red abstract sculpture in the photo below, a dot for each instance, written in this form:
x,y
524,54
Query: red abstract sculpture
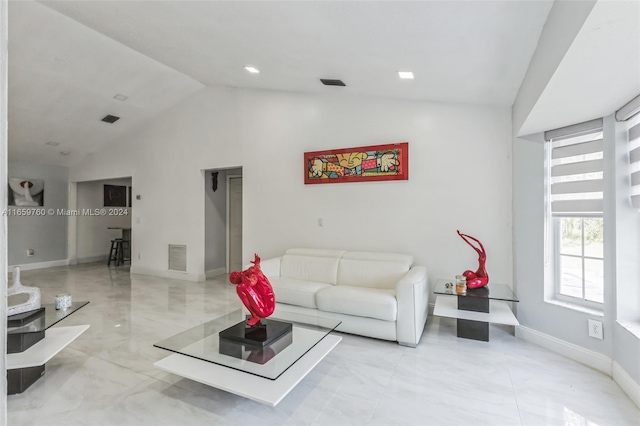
x,y
479,278
255,291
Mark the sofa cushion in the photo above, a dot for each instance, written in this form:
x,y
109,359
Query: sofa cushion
x,y
310,268
296,292
359,301
376,270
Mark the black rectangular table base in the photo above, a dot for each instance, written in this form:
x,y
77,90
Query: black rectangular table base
x,y
261,335
258,354
17,343
19,379
475,330
469,329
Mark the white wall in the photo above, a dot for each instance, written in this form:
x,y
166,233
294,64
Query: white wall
x,y
563,24
529,263
93,237
215,211
535,311
46,235
570,325
3,205
460,178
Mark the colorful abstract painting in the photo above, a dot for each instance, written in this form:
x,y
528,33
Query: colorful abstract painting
x,y
360,164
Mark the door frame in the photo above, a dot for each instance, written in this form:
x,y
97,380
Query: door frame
x,y
229,177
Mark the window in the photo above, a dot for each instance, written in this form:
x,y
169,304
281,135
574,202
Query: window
x,y
634,160
575,192
580,259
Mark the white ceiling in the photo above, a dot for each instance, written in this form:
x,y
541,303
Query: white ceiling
x,y
63,76
599,73
62,79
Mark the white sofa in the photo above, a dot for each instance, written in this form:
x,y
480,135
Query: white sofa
x,y
377,295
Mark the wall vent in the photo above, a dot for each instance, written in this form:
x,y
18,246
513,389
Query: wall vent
x,y
110,119
330,82
177,257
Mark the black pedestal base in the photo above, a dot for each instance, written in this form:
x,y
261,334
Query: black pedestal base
x,y
475,330
23,318
261,335
17,343
19,379
468,329
20,342
258,354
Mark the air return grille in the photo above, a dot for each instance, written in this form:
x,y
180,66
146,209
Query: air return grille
x,y
330,82
110,119
177,257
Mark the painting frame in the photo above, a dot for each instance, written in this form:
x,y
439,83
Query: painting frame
x,y
115,196
356,167
16,196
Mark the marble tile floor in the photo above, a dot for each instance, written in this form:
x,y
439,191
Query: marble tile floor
x,y
107,377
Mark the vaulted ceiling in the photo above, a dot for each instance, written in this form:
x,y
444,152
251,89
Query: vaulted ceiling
x,y
598,74
69,59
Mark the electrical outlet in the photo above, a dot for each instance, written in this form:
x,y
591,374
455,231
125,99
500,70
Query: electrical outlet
x,y
320,222
30,252
595,329
138,256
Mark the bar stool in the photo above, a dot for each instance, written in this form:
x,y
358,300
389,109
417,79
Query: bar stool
x,y
124,255
117,252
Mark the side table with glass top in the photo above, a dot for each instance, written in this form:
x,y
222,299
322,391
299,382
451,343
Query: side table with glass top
x,y
32,343
475,309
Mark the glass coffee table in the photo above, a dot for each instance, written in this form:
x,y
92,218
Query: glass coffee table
x,y
264,375
475,309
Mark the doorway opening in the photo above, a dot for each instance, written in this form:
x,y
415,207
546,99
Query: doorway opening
x,y
104,210
223,221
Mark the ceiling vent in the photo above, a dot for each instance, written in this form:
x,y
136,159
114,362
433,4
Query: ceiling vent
x,y
329,82
110,119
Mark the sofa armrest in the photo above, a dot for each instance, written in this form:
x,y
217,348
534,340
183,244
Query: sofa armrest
x,y
271,267
412,296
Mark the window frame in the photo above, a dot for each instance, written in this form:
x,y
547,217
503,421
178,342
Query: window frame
x,y
557,277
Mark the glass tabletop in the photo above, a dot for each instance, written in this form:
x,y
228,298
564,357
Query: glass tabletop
x,y
203,342
50,318
491,291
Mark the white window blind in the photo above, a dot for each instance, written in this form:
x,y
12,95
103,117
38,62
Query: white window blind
x,y
634,159
576,178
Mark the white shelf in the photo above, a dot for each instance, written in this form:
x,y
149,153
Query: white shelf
x,y
247,385
499,312
55,340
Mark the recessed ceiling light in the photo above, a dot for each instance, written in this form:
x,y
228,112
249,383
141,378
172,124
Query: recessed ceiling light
x,y
407,75
51,143
121,97
64,153
332,82
110,119
252,70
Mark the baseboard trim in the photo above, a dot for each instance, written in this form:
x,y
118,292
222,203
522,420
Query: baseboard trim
x,y
626,383
215,272
577,353
41,265
183,276
92,259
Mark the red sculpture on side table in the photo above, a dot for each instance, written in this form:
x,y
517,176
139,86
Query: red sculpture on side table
x,y
255,291
479,278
